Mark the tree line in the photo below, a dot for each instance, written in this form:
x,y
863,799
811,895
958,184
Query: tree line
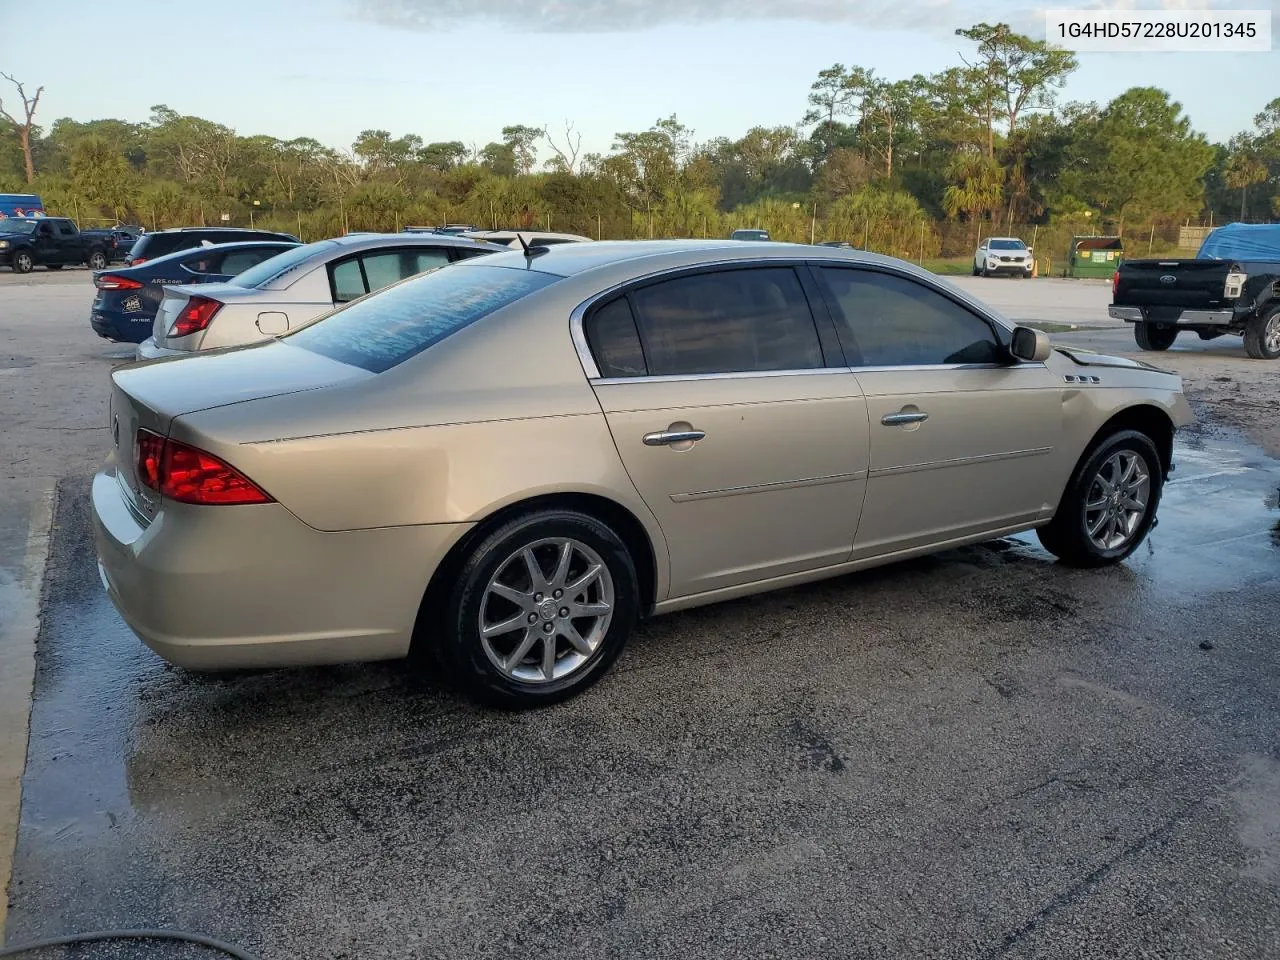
x,y
912,166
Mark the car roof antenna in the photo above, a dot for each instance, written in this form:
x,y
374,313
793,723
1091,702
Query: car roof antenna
x,y
531,250
523,243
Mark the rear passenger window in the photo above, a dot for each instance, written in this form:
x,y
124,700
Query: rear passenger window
x,y
237,261
348,281
614,341
730,321
889,321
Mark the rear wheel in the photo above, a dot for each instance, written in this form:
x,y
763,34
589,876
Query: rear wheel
x,y
1262,335
1110,503
23,262
541,609
1153,336
97,260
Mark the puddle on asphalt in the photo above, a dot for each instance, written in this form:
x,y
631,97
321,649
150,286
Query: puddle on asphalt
x,y
1219,520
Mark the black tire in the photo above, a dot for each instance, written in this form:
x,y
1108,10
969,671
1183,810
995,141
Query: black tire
x,y
23,262
1153,336
461,648
54,266
97,260
1067,535
1262,334
976,271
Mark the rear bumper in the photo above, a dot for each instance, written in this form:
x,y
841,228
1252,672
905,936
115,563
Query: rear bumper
x,y
114,325
214,588
148,350
1186,318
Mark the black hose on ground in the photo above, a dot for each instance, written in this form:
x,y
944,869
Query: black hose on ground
x,y
197,938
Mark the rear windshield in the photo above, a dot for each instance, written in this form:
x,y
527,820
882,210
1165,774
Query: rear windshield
x,y
272,267
1008,245
387,328
9,225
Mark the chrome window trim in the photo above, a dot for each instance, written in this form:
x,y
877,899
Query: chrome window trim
x,y
811,371
583,349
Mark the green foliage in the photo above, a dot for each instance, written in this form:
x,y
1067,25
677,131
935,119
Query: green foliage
x,y
879,157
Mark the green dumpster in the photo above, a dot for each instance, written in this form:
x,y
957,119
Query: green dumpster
x,y
1094,256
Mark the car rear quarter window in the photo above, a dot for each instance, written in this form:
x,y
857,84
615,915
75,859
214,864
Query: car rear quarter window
x,y
348,281
614,341
729,321
403,320
885,320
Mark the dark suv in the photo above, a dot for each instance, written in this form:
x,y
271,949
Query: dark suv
x,y
152,245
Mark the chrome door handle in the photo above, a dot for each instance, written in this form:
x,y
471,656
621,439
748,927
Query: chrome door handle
x,y
898,419
663,437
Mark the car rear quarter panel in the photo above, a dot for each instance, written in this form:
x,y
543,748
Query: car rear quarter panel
x,y
496,414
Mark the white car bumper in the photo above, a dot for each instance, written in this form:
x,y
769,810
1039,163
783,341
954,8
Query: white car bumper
x,y
149,350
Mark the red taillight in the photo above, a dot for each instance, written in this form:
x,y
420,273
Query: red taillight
x,y
1115,283
136,261
148,456
195,316
111,282
182,472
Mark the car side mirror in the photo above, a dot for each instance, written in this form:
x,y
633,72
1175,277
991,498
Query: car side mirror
x,y
1030,345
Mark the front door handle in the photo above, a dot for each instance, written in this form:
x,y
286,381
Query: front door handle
x,y
663,438
899,419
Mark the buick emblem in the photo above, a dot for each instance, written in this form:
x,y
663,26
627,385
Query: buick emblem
x,y
1168,278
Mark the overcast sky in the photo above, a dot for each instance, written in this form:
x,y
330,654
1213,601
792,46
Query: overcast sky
x,y
462,69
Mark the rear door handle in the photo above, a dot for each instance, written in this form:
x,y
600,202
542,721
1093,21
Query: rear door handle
x,y
662,438
898,419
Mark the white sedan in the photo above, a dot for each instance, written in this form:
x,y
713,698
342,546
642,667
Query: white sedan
x,y
295,287
997,255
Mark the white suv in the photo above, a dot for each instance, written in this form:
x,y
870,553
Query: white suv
x,y
1002,255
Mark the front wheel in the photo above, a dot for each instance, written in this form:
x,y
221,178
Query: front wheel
x,y
97,260
1153,336
1110,503
541,609
1262,335
23,262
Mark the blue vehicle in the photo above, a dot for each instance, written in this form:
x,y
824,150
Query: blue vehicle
x,y
128,297
20,205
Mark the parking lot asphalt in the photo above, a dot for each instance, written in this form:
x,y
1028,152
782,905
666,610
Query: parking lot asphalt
x,y
979,754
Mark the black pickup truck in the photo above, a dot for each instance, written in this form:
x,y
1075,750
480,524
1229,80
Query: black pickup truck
x,y
51,241
1232,286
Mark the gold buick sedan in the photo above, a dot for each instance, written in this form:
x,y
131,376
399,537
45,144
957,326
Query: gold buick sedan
x,y
508,461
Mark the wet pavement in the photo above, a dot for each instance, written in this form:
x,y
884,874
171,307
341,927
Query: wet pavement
x,y
979,754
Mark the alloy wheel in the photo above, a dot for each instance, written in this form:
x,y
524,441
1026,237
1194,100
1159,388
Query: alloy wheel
x,y
1271,335
546,610
1117,501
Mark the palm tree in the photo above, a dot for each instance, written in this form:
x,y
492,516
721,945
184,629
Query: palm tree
x,y
977,186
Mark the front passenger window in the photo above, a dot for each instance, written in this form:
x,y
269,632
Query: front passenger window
x,y
885,320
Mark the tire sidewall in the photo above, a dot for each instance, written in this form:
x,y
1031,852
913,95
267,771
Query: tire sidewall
x,y
1078,491
23,262
1260,335
97,260
460,647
